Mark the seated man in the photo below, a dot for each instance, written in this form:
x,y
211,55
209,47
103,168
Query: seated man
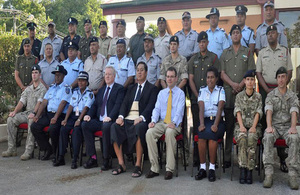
x,y
134,116
56,100
81,101
166,119
248,111
282,108
100,117
31,99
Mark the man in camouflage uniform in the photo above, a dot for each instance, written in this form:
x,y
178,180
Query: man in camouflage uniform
x,y
31,98
282,108
248,110
84,43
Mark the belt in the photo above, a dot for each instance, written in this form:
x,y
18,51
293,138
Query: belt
x,y
272,85
211,118
53,112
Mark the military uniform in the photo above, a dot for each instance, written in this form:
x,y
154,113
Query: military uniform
x,y
234,65
218,41
35,50
29,99
153,64
104,45
248,37
23,65
179,64
84,47
187,43
247,142
162,46
113,45
65,44
56,45
136,46
281,106
261,40
46,69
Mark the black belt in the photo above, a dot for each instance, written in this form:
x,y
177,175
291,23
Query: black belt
x,y
52,112
210,118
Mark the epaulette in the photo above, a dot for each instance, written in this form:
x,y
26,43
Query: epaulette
x,y
52,85
109,37
250,28
76,89
222,29
203,86
280,23
157,56
177,32
258,26
66,85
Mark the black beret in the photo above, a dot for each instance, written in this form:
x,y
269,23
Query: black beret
x,y
103,22
94,39
202,35
26,41
161,19
281,70
250,73
235,27
31,25
140,18
73,45
121,41
121,22
36,67
72,20
87,21
271,27
174,39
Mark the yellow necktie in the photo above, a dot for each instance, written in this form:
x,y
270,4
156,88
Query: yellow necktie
x,y
169,109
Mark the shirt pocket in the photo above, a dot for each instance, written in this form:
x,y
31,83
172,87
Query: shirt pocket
x,y
123,72
152,68
191,42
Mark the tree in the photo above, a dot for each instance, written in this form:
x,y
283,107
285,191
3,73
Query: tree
x,y
293,35
152,29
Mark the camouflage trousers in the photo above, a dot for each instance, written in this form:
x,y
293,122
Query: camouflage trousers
x,y
292,140
247,144
12,128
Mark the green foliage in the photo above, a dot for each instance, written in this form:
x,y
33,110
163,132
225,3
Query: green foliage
x,y
293,35
152,29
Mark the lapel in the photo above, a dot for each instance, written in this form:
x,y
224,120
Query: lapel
x,y
132,95
145,88
101,94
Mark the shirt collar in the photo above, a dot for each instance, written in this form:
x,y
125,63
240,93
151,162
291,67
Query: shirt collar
x,y
111,86
275,22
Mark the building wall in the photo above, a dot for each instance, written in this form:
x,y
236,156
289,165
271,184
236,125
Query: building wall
x,y
284,4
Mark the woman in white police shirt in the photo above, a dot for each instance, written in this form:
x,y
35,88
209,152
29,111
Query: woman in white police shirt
x,y
211,102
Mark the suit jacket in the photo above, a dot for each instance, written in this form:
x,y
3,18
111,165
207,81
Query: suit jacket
x,y
146,103
113,103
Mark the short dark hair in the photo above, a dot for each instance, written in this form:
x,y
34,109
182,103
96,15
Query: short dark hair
x,y
214,70
145,65
172,69
49,44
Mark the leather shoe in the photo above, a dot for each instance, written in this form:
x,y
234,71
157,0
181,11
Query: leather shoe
x,y
211,175
91,163
249,178
151,174
242,175
74,165
47,155
201,174
106,165
168,175
60,161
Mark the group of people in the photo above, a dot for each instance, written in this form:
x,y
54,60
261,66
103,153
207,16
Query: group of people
x,y
134,91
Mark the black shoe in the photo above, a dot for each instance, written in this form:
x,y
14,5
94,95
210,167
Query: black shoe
x,y
242,175
60,161
74,165
151,174
106,165
211,175
249,177
201,174
47,155
227,164
91,163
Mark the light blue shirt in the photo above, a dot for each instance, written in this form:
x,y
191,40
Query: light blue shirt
x,y
153,64
56,45
247,37
86,99
218,41
178,104
105,109
73,70
56,94
46,70
211,100
188,44
124,67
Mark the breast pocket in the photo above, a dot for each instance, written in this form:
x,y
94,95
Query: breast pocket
x,y
152,68
191,43
123,72
219,43
228,61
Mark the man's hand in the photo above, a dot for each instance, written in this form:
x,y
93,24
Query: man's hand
x,y
171,125
77,123
252,130
269,130
201,128
53,121
293,130
12,114
214,128
137,121
35,119
151,125
243,129
106,119
64,122
235,87
87,118
120,121
30,116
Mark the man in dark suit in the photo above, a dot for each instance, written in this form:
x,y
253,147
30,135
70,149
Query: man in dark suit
x,y
134,116
101,115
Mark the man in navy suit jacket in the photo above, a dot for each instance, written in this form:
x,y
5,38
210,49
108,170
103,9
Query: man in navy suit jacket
x,y
101,115
134,116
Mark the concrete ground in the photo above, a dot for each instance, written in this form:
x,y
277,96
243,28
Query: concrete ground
x,y
40,177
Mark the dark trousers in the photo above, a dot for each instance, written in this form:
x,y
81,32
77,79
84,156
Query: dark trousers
x,y
229,125
77,137
41,137
89,128
196,123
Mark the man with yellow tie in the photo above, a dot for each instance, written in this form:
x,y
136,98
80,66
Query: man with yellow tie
x,y
166,119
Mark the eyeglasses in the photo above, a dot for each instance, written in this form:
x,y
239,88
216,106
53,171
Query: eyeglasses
x,y
170,77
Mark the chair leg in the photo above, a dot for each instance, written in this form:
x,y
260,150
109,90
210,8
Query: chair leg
x,y
184,160
232,156
219,160
261,166
177,159
193,161
81,153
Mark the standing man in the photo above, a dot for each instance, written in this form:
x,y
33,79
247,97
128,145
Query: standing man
x,y
123,65
84,50
248,35
71,37
48,64
269,60
235,61
261,35
31,99
104,40
174,60
94,65
197,67
282,109
73,65
34,42
162,48
136,43
23,66
187,37
54,40
217,37
152,60
100,117
166,119
55,102
121,28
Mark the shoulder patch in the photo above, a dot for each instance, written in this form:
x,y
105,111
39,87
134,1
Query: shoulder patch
x,y
91,95
250,28
258,26
68,90
280,23
203,86
226,35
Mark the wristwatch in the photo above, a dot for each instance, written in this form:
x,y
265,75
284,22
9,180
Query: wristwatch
x,y
78,120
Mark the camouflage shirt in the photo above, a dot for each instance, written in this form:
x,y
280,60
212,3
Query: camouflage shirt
x,y
248,106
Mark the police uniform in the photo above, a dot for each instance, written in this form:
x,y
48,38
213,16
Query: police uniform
x,y
161,44
78,102
234,65
46,69
36,45
67,39
54,96
113,43
55,42
29,98
124,67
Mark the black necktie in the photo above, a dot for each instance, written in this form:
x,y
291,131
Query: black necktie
x,y
104,102
138,95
